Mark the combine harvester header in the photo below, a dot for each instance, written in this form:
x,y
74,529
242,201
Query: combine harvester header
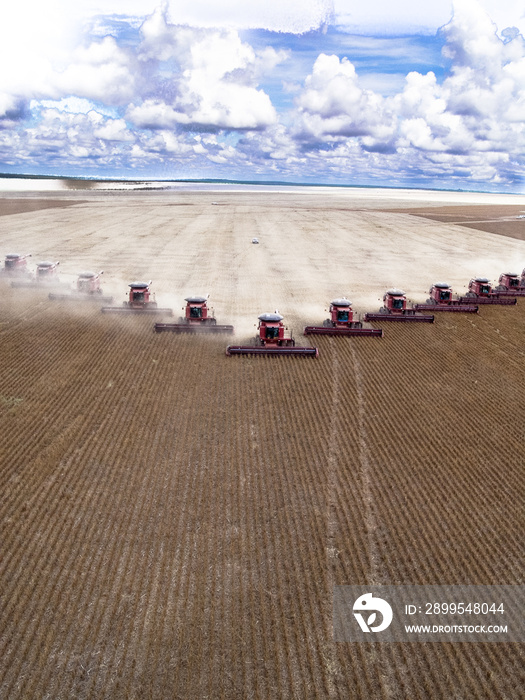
x,y
441,299
395,309
196,319
341,322
140,301
271,340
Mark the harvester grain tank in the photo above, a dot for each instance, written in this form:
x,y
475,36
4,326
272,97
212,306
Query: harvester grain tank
x,y
510,284
87,289
341,322
441,299
480,292
15,265
271,340
197,319
395,309
140,301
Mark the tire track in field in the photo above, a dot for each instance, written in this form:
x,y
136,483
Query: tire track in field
x,y
331,517
370,519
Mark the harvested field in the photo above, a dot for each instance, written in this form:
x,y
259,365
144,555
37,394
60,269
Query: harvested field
x,y
173,521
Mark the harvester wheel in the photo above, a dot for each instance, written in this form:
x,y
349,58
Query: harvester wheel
x,y
327,323
383,310
471,295
501,288
430,302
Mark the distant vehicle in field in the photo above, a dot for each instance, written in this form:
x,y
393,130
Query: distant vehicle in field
x,y
271,340
255,240
395,309
510,284
197,319
480,290
341,322
441,299
15,264
140,300
47,271
87,289
46,275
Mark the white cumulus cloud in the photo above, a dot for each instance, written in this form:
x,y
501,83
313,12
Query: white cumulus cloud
x,y
477,110
333,103
215,85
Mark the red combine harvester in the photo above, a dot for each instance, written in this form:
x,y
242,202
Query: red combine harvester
x,y
395,309
87,289
510,284
341,322
480,292
441,299
196,319
89,282
271,340
15,265
46,275
47,272
139,302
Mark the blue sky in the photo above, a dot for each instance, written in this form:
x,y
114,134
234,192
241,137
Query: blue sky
x,y
320,91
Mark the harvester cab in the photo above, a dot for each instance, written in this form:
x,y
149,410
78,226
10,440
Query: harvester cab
x,y
15,264
440,293
341,314
394,302
197,311
140,296
47,271
89,283
271,330
508,280
479,287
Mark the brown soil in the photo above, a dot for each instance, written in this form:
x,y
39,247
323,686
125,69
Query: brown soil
x,y
500,219
28,204
173,520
